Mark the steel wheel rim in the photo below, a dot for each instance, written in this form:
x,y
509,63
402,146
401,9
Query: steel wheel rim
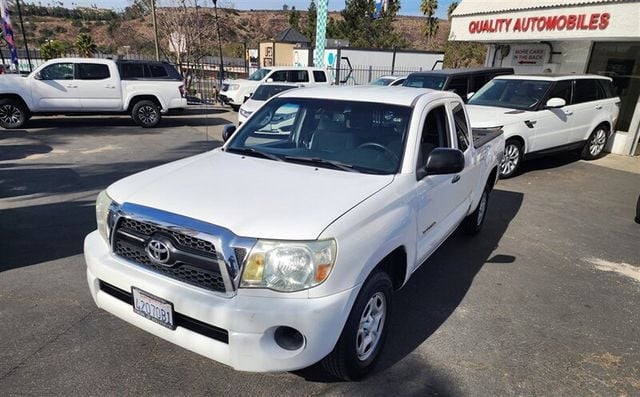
x,y
510,159
596,145
147,114
371,325
10,114
482,208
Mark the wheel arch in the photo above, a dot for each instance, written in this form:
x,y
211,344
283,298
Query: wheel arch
x,y
16,97
143,97
395,265
519,139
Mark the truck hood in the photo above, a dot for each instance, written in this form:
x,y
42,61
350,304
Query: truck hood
x,y
490,116
250,196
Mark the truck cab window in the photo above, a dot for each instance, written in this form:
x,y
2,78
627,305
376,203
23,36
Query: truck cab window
x,y
435,133
92,71
57,71
460,121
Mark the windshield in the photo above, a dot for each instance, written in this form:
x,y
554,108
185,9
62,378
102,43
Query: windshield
x,y
434,82
265,92
382,81
350,136
511,93
259,74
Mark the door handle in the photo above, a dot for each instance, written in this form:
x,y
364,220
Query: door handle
x,y
598,107
109,86
568,112
455,179
72,86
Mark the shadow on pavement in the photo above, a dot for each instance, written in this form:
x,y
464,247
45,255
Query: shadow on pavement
x,y
64,124
17,152
431,295
548,162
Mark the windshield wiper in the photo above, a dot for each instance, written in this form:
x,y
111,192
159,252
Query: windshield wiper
x,y
322,162
254,152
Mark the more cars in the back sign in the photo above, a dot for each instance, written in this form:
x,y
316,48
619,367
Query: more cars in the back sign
x,y
546,114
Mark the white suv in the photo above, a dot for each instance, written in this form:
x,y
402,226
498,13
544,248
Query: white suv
x,y
235,92
546,114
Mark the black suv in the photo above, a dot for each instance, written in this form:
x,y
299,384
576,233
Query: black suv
x,y
461,81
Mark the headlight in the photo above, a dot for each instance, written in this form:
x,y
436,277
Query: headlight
x,y
245,113
288,265
103,204
233,87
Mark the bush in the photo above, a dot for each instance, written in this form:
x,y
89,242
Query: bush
x,y
76,23
60,29
84,30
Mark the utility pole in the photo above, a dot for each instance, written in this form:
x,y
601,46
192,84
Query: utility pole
x,y
155,28
24,37
215,10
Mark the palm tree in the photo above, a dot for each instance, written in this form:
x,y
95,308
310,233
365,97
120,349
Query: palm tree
x,y
428,9
85,45
451,9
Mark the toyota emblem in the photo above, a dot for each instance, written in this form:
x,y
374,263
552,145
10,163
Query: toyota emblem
x,y
158,251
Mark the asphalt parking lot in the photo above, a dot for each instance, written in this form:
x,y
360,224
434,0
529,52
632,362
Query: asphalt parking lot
x,y
545,301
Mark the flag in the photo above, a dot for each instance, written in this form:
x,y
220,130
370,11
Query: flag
x,y
8,31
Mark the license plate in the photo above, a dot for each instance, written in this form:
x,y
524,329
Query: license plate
x,y
155,309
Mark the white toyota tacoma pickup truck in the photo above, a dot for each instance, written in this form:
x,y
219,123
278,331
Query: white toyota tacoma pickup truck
x,y
144,89
283,247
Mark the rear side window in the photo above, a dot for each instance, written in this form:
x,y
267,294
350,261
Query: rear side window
x,y
157,71
607,88
458,85
587,90
132,70
319,76
92,71
460,121
562,89
280,75
299,76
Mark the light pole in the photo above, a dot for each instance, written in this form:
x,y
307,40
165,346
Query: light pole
x,y
155,28
215,10
24,37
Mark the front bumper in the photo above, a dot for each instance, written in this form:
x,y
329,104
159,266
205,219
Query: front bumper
x,y
249,320
234,97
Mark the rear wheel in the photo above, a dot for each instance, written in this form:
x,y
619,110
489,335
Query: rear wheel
x,y
146,114
511,160
360,343
594,148
474,221
13,114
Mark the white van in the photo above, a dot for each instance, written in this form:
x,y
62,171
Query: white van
x,y
235,92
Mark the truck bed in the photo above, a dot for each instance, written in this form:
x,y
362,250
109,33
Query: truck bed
x,y
482,136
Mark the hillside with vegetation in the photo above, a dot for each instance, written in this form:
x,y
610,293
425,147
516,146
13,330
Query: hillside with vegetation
x,y
131,31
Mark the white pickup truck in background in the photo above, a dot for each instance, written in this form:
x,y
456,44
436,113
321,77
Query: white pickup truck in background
x,y
284,247
144,89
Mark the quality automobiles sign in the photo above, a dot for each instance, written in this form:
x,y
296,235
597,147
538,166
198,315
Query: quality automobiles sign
x,y
549,23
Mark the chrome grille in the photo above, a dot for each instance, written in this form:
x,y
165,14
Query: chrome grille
x,y
196,264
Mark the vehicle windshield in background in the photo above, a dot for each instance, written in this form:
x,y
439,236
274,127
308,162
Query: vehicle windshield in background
x,y
265,92
382,81
259,74
511,93
350,136
421,81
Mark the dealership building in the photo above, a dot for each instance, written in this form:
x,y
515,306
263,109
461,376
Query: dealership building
x,y
571,36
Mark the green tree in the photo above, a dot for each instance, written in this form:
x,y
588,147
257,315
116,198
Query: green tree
x,y
451,9
85,46
362,29
294,18
430,29
52,49
312,18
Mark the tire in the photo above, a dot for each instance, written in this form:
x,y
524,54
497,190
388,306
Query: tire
x,y
146,114
594,148
472,224
235,107
13,114
353,358
512,159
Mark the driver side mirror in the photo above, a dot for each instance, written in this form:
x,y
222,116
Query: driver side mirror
x,y
442,161
227,131
555,103
37,76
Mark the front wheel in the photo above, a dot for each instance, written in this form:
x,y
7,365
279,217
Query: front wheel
x,y
146,114
594,148
511,160
12,114
364,333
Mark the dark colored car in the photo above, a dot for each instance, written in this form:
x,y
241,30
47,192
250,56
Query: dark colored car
x,y
461,81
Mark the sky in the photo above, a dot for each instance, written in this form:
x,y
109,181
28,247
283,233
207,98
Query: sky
x,y
408,7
